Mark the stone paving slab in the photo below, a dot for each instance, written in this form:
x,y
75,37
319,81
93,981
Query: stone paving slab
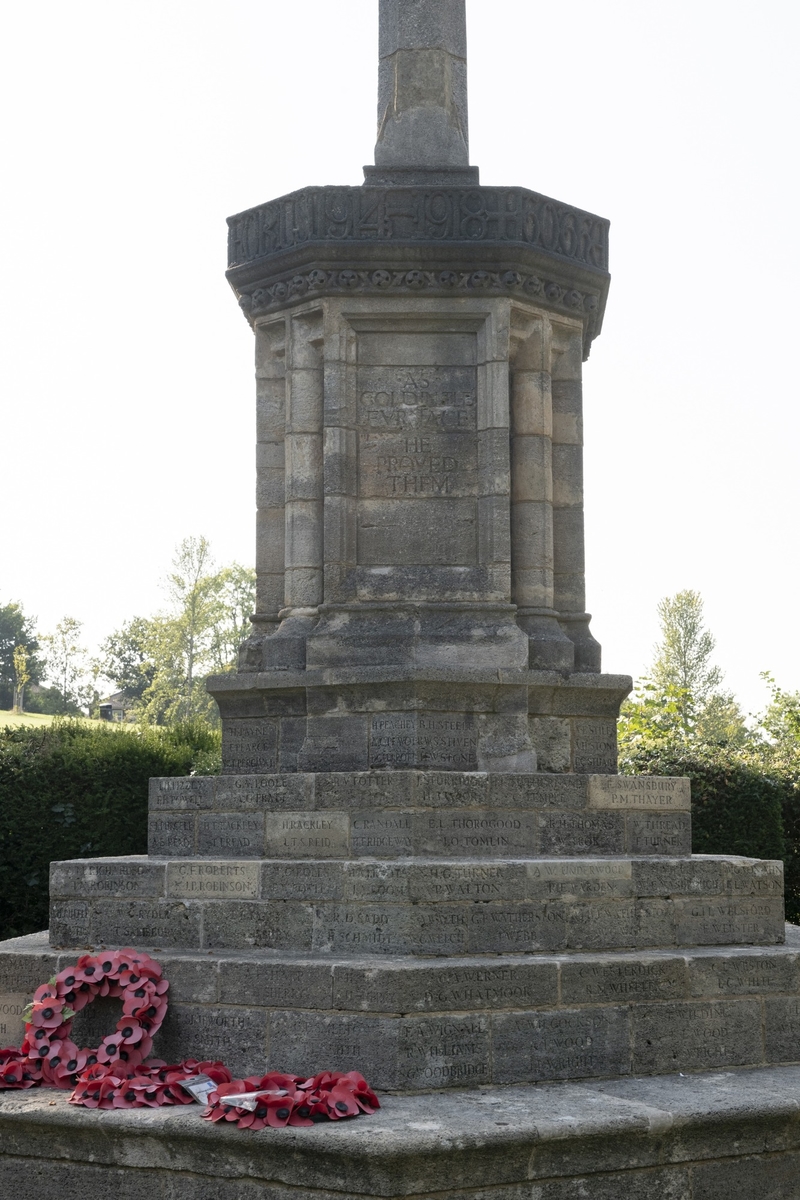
x,y
732,1135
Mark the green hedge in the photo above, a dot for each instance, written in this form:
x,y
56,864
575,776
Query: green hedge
x,y
73,790
737,808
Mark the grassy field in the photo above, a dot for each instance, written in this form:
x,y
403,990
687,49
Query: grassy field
x,y
11,718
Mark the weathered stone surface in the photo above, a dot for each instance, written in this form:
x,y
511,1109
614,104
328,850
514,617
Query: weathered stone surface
x,y
743,920
696,1035
743,973
569,1044
134,876
237,1035
231,834
171,834
639,792
581,833
620,979
667,1138
213,880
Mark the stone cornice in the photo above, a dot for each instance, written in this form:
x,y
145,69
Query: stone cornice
x,y
383,214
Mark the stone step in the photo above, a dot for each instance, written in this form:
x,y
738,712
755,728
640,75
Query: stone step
x,y
417,905
412,1024
397,813
709,1136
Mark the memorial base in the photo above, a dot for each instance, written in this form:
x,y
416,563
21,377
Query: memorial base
x,y
719,1136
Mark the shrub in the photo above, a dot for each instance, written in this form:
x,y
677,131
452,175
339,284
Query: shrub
x,y
738,806
73,790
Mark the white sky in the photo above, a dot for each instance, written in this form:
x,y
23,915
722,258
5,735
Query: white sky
x,y
132,131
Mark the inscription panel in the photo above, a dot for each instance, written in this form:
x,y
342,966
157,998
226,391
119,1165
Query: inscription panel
x,y
231,834
659,833
217,880
696,1035
249,747
569,880
169,835
443,1051
743,974
570,1044
639,791
306,834
723,921
12,1026
112,877
379,833
192,792
472,881
270,792
417,441
476,832
622,981
582,833
347,790
237,1035
429,988
400,740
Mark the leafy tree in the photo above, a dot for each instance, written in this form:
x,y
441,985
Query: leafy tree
x,y
16,630
22,676
127,659
161,662
680,702
67,666
683,656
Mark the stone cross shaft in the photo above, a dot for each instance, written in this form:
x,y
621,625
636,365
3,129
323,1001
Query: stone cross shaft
x,y
422,87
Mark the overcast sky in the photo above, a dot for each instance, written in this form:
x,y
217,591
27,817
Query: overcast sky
x,y
132,131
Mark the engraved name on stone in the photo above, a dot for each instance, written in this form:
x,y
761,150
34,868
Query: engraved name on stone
x,y
249,747
375,881
560,1045
171,834
739,919
12,1026
630,791
238,834
295,834
493,987
640,980
382,833
476,832
445,1051
466,883
214,880
117,878
398,740
565,879
181,793
743,974
261,791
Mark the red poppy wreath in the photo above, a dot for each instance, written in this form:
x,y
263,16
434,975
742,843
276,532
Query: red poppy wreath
x,y
118,1074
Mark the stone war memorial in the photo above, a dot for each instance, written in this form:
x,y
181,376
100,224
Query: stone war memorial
x,y
419,860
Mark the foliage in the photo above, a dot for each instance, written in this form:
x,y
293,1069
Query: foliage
x,y
22,677
161,662
683,671
71,790
127,661
67,666
16,630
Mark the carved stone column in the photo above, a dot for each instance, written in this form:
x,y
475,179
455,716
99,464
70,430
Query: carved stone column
x,y
568,532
